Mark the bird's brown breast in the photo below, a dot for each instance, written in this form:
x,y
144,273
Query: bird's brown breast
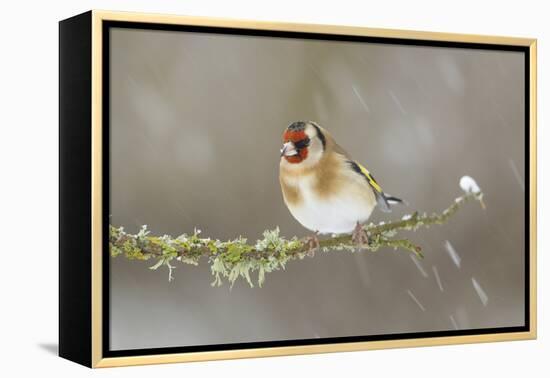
x,y
324,179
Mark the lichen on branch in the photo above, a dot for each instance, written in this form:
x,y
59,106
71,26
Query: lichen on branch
x,y
236,258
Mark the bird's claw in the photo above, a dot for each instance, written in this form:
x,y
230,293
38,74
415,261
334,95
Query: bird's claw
x,y
312,243
359,236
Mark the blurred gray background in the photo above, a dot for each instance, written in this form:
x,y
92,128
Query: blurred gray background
x,y
196,125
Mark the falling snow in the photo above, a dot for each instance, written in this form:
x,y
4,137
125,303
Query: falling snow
x,y
453,321
480,292
436,274
397,102
419,266
452,252
518,177
416,300
361,100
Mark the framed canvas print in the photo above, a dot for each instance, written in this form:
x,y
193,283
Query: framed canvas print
x,y
236,189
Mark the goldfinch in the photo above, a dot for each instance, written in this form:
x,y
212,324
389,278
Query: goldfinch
x,y
326,190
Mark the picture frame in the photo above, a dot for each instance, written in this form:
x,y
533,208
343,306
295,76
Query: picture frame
x,y
85,64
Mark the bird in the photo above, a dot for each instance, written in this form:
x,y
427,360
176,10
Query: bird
x,y
325,190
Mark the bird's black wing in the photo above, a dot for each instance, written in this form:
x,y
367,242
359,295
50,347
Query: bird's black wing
x,y
383,200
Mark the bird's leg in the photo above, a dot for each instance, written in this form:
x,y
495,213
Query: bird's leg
x,y
359,236
312,243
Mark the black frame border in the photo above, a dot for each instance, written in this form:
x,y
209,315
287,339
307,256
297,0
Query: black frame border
x,y
75,180
107,25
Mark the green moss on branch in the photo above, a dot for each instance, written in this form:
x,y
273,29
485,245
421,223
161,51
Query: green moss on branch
x,y
236,258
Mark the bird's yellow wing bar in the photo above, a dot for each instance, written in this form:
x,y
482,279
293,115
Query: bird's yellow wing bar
x,y
370,178
382,198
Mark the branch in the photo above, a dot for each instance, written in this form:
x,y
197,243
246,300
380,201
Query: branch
x,y
237,258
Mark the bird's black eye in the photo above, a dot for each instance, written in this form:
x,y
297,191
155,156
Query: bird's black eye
x,y
302,143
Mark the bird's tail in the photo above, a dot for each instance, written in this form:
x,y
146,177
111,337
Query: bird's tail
x,y
386,200
393,200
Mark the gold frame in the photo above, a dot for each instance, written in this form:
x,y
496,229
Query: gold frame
x,y
99,16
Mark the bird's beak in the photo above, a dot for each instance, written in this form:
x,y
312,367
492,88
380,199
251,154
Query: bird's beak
x,y
288,149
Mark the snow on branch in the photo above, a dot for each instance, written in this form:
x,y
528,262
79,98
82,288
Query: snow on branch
x,y
236,258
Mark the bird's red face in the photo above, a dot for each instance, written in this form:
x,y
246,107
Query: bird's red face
x,y
296,143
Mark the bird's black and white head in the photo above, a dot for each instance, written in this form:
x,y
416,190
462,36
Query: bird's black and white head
x,y
304,143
